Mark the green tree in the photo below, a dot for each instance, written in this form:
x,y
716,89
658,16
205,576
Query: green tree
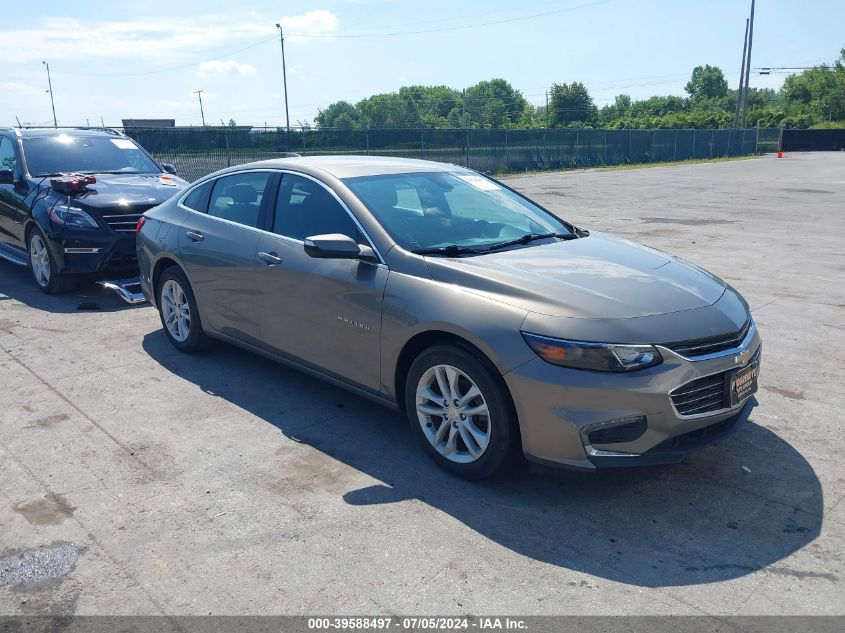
x,y
494,103
707,82
571,104
340,114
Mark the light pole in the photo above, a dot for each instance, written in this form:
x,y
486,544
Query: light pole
x,y
52,103
284,78
744,114
202,113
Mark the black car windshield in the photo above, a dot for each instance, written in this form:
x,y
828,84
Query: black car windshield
x,y
85,154
428,210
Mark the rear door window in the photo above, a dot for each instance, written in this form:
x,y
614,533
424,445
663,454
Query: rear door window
x,y
238,197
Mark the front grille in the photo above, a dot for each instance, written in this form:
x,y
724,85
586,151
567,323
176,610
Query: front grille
x,y
705,395
710,344
701,396
124,222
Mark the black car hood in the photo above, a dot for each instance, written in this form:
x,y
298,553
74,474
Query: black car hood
x,y
129,191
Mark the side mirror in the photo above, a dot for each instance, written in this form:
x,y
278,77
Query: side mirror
x,y
170,169
7,177
337,246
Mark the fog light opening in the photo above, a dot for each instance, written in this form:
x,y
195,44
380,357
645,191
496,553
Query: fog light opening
x,y
615,431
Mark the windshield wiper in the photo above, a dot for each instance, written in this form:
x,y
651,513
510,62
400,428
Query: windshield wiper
x,y
115,172
531,237
452,250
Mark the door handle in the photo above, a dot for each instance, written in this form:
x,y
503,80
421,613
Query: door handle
x,y
194,236
271,259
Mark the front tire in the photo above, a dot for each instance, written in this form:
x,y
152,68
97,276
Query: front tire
x,y
43,266
177,308
458,406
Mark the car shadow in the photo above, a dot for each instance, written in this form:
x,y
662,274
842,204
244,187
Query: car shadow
x,y
726,512
16,283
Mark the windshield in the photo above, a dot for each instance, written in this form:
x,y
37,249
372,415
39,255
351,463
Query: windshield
x,y
85,154
425,210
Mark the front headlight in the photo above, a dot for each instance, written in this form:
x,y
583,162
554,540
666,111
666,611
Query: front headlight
x,y
71,216
593,356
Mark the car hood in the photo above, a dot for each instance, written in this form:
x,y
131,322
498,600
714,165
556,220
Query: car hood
x,y
596,277
129,191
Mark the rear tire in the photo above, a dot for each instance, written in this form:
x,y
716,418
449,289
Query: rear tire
x,y
43,266
458,407
177,308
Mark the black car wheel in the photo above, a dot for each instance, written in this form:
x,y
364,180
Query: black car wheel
x,y
459,409
177,308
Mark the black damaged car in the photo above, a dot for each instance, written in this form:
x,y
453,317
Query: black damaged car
x,y
69,203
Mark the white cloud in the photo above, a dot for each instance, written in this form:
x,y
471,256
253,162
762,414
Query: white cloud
x,y
160,41
227,67
316,22
18,88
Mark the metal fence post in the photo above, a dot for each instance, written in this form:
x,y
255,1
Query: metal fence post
x,y
422,143
712,147
577,145
303,139
466,146
507,152
546,158
675,148
605,147
226,140
367,139
693,143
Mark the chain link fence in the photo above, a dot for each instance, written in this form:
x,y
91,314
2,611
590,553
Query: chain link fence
x,y
196,152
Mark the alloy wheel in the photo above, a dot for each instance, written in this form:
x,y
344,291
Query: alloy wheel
x,y
39,260
175,310
453,414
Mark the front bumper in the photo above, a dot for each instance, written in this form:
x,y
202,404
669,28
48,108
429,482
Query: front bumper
x,y
94,253
557,407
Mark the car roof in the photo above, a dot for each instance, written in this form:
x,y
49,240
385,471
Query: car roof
x,y
350,166
47,132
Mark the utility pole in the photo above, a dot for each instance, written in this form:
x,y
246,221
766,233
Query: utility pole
x,y
547,108
739,90
52,103
748,66
284,78
202,113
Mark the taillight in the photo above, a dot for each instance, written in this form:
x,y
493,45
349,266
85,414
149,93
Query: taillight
x,y
140,224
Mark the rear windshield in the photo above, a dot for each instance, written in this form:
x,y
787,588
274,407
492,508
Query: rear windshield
x,y
86,154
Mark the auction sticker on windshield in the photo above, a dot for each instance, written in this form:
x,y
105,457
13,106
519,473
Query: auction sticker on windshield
x,y
480,183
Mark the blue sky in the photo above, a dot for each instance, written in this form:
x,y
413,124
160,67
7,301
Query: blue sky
x,y
139,59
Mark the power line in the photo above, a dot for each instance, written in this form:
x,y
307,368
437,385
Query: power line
x,y
172,68
453,28
340,35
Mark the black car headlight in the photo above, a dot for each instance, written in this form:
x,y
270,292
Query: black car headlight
x,y
594,356
67,215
